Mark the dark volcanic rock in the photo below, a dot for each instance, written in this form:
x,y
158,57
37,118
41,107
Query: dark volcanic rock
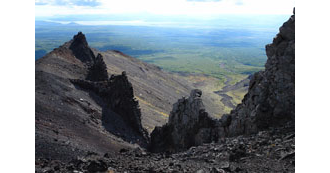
x,y
97,166
270,100
100,115
238,154
188,125
98,70
117,93
80,48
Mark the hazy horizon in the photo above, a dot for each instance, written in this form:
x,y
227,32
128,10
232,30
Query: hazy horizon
x,y
170,13
194,36
192,8
269,22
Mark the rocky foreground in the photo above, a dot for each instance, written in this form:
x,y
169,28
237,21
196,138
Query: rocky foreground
x,y
267,151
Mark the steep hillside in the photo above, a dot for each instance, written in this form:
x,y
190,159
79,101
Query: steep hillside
x,y
83,100
72,119
157,90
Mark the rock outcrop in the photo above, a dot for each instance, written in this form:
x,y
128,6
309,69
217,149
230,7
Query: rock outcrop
x,y
188,125
117,93
270,100
80,48
98,70
79,109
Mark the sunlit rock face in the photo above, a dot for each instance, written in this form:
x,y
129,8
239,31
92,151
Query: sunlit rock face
x,y
270,100
188,125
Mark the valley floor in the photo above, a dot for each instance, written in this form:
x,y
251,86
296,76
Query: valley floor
x,y
224,95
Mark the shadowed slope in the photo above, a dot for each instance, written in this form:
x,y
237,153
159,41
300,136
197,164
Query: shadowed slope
x,y
71,121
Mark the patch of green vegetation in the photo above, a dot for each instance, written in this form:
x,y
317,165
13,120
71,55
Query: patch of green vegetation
x,y
220,53
237,95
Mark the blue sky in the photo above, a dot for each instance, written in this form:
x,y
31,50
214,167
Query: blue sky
x,y
44,8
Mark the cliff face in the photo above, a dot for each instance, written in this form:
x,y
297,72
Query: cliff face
x,y
270,101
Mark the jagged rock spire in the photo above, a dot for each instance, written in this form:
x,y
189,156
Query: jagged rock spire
x,y
80,48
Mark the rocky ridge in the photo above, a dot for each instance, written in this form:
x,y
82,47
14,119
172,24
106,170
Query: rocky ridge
x,y
80,48
84,103
79,109
116,91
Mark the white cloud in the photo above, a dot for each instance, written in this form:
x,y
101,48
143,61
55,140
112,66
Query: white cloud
x,y
91,3
163,7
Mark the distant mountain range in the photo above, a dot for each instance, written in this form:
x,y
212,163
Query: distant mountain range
x,y
53,23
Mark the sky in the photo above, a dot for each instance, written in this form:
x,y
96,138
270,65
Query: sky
x,y
49,8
